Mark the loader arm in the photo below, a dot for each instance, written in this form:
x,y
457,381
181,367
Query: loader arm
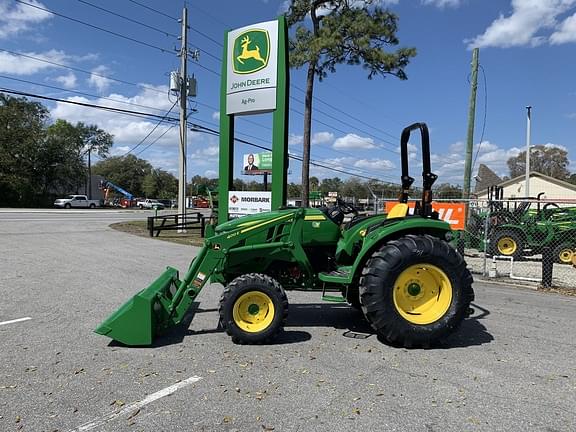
x,y
166,301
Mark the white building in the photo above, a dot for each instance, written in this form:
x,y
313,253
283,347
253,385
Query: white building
x,y
552,189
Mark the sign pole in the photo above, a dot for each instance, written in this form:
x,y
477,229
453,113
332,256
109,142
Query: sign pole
x,y
226,143
280,122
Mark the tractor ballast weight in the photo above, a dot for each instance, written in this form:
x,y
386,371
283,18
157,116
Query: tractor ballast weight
x,y
413,288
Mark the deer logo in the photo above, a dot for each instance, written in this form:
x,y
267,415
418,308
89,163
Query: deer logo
x,y
251,51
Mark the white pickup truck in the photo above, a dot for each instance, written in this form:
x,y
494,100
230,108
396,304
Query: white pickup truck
x,y
76,201
150,204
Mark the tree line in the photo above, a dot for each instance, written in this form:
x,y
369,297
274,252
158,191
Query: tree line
x,y
41,159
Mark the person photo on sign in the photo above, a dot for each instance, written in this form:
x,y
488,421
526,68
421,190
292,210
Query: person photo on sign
x,y
250,166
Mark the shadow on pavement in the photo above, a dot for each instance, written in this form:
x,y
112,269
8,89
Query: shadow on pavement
x,y
340,316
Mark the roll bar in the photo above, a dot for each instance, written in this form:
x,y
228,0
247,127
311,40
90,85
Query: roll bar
x,y
428,177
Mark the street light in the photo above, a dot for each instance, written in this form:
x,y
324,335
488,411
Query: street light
x,y
528,126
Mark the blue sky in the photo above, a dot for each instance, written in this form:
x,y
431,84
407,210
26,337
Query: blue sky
x,y
527,54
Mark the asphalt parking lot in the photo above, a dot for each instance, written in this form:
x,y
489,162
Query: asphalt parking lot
x,y
511,366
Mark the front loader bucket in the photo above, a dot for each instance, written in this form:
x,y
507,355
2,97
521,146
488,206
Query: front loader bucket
x,y
144,315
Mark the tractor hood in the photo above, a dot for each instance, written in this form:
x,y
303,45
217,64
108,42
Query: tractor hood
x,y
253,220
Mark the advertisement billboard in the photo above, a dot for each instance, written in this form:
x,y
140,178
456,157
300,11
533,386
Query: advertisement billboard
x,y
257,163
453,213
241,203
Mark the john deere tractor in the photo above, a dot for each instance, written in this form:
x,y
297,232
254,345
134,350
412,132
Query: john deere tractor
x,y
411,285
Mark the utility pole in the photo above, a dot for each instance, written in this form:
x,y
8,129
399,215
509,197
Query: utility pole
x,y
469,144
471,116
183,119
528,131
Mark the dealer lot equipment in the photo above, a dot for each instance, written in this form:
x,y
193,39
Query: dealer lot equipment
x,y
412,286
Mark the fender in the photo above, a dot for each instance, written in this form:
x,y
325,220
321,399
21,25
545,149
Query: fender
x,y
391,230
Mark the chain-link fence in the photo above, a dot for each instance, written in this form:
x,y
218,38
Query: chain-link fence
x,y
528,240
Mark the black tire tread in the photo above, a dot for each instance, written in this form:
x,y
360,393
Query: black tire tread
x,y
377,284
237,287
519,253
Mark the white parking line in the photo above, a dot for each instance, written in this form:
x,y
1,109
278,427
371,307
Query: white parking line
x,y
15,321
136,405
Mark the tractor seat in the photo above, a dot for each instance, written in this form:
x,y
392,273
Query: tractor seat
x,y
400,210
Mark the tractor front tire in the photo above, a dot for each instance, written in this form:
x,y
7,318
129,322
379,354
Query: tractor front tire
x,y
253,309
564,253
507,243
415,291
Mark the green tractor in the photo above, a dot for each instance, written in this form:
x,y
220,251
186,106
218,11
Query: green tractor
x,y
411,285
526,230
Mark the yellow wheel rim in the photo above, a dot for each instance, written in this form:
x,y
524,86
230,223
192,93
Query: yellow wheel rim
x,y
565,255
422,294
507,246
253,311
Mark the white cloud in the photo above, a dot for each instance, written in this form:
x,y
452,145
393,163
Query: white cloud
x,y
317,138
17,18
322,137
216,115
565,32
571,116
294,139
119,150
558,146
18,65
127,130
353,141
442,3
374,164
98,81
521,28
210,151
68,81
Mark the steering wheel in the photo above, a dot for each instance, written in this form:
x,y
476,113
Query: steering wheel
x,y
337,212
346,208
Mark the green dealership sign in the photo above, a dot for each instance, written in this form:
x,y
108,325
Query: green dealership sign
x,y
255,80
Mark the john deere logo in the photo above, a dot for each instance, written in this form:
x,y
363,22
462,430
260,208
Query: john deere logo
x,y
251,51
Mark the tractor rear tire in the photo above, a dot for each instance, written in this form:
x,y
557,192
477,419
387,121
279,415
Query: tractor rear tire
x,y
507,243
564,253
415,291
253,309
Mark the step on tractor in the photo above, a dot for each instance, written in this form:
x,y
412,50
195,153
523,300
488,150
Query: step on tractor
x,y
412,287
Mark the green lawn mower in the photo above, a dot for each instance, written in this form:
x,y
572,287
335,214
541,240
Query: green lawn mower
x,y
411,285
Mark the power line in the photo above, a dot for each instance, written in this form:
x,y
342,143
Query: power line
x,y
156,29
348,124
80,93
331,167
87,105
163,50
155,140
81,70
152,131
165,118
176,19
154,10
344,132
346,113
